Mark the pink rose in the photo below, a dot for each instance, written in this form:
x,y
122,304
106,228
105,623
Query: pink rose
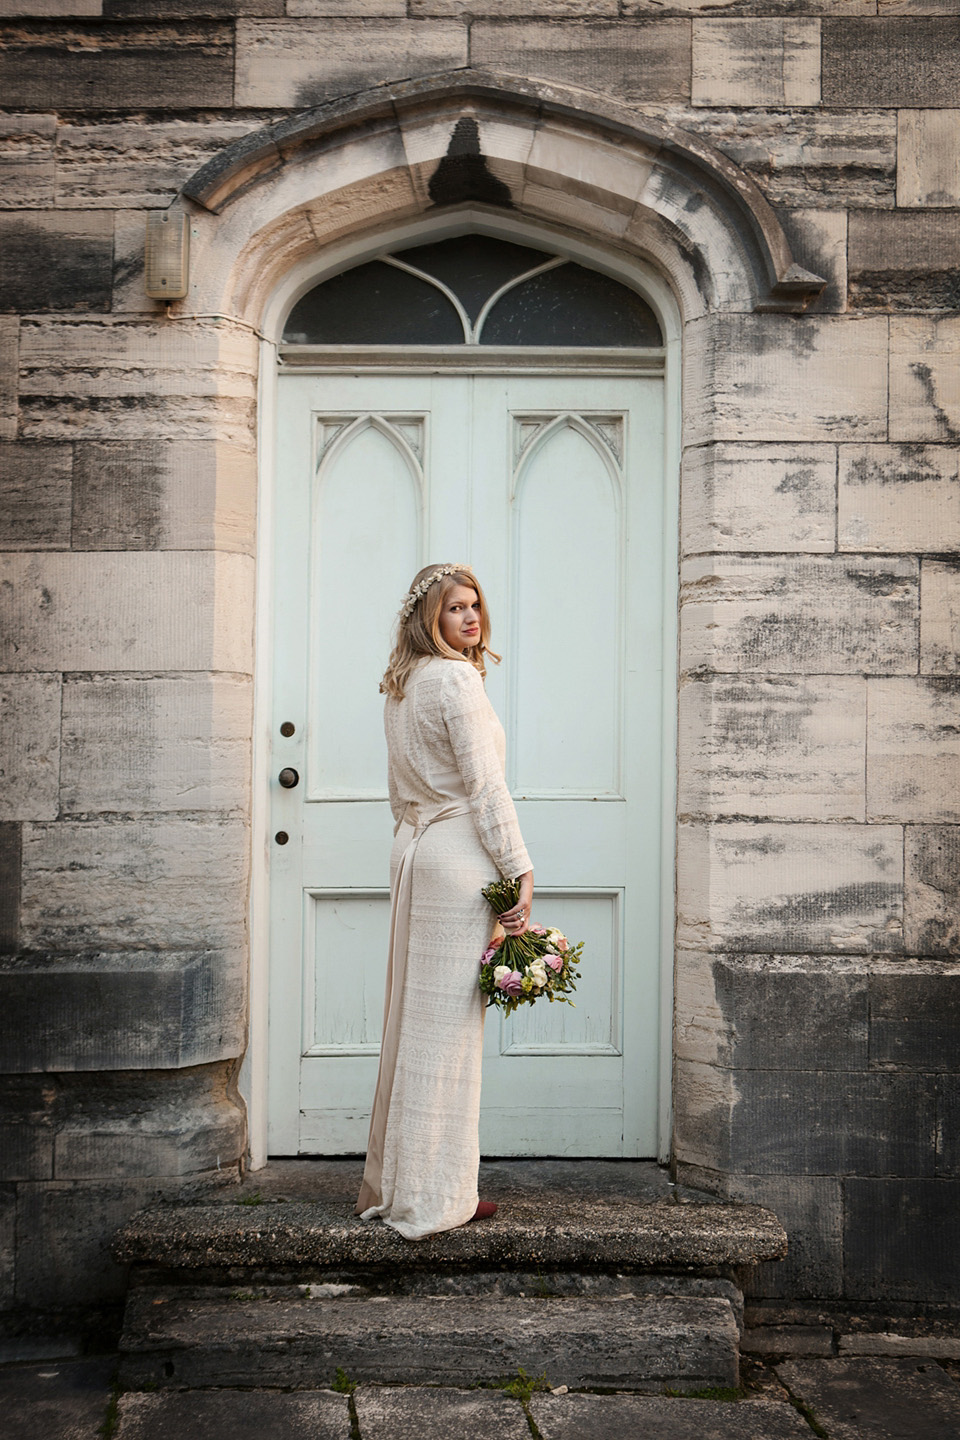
x,y
555,962
511,984
537,929
487,955
563,945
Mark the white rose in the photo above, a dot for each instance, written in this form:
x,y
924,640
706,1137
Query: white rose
x,y
538,973
499,972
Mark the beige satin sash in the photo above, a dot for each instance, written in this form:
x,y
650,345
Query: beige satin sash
x,y
370,1196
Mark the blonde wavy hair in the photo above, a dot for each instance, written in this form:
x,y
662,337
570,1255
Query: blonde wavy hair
x,y
418,632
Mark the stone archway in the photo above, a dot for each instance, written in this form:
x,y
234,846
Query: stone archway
x,y
565,158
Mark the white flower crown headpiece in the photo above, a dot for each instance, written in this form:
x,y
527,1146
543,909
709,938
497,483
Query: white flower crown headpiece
x,y
406,609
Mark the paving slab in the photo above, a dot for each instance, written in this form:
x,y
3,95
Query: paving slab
x,y
423,1414
609,1417
234,1415
872,1399
56,1401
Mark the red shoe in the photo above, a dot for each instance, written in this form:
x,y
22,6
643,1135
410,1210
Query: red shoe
x,y
484,1211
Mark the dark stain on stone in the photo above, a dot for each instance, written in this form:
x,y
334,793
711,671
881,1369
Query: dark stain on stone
x,y
796,914
802,484
10,852
118,496
933,289
911,466
925,376
881,583
464,175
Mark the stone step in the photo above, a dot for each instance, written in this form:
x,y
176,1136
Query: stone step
x,y
298,1336
305,1241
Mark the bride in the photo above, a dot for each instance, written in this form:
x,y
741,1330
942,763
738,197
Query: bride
x,y
456,830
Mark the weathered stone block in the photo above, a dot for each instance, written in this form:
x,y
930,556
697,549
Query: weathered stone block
x,y
915,1018
296,63
116,163
46,9
818,239
117,380
129,1124
913,750
931,919
8,1246
164,495
169,9
924,378
790,888
833,1123
10,860
126,1011
940,616
362,9
811,1210
783,1122
900,1239
772,1012
161,610
137,884
759,498
150,67
635,61
799,615
948,1126
9,367
904,260
928,157
805,158
56,262
889,61
132,744
781,378
781,749
29,746
898,498
35,496
28,1109
129,295
26,158
65,1230
756,62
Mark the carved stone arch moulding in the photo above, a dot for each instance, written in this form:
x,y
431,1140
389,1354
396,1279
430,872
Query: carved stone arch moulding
x,y
566,160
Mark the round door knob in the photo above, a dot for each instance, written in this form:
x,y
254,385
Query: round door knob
x,y
288,778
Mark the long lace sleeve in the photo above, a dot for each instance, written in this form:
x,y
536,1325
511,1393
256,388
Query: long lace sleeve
x,y
467,717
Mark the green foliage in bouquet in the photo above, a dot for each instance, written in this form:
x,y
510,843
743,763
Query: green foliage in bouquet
x,y
518,969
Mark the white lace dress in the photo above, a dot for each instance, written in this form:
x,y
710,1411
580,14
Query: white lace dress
x,y
449,798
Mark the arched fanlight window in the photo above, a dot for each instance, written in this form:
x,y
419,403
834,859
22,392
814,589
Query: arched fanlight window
x,y
473,290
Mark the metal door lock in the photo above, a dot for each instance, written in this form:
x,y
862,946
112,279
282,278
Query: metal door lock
x,y
289,778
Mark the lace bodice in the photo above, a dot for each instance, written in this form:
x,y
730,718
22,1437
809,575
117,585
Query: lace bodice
x,y
445,743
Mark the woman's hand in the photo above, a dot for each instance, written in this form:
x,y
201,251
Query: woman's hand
x,y
517,920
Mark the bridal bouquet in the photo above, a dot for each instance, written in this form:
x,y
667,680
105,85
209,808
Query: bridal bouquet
x,y
518,969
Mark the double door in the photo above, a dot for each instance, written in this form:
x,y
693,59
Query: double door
x,y
551,488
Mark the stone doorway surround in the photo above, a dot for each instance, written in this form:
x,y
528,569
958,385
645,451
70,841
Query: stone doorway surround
x,y
275,211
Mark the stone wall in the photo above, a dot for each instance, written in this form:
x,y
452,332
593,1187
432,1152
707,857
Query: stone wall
x,y
818,940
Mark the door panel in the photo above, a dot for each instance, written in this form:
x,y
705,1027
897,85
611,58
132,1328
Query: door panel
x,y
551,487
